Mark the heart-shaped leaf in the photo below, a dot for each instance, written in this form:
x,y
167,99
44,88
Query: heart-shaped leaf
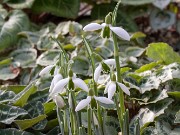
x,y
9,113
162,19
17,22
26,57
48,58
13,131
8,69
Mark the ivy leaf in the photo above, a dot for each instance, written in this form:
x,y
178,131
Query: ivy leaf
x,y
177,120
162,52
17,22
34,109
134,51
13,131
62,8
161,19
48,58
80,65
27,123
6,96
9,113
20,4
26,57
8,69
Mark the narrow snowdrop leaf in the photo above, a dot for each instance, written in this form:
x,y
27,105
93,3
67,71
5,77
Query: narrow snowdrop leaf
x,y
111,90
92,27
121,33
81,84
46,70
97,72
124,88
59,86
110,62
104,100
83,103
161,3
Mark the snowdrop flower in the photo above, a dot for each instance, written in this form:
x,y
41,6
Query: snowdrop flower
x,y
59,86
111,88
161,3
107,27
46,70
54,81
58,100
85,102
97,72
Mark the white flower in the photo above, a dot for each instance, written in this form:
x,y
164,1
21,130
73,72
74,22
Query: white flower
x,y
85,102
111,88
46,70
161,3
59,86
117,30
58,100
97,72
54,81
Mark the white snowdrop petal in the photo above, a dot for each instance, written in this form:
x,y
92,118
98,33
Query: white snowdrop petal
x,y
56,70
97,72
124,88
51,86
83,103
161,3
110,62
92,27
107,86
46,70
59,101
59,86
103,24
57,78
111,90
104,100
121,33
81,84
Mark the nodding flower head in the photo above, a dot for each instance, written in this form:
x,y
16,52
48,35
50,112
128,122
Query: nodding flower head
x,y
111,88
46,70
97,72
85,102
59,86
107,28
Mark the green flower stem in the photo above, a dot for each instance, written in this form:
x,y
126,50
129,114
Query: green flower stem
x,y
60,120
90,52
89,120
66,131
75,114
116,57
118,110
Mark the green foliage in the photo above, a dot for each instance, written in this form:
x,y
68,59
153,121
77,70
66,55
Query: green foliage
x,y
17,22
9,113
63,8
27,123
162,52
